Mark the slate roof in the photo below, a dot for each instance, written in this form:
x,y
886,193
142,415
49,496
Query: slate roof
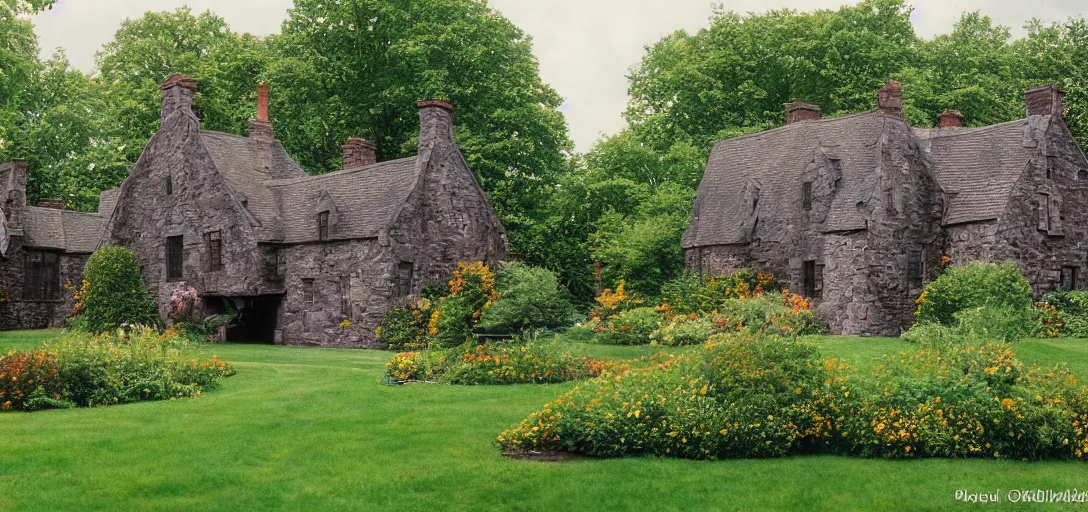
x,y
776,159
286,200
67,230
364,200
980,166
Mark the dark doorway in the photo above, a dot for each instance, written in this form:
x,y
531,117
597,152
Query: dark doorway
x,y
255,320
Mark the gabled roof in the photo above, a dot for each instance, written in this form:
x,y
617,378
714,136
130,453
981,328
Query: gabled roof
x,y
979,167
66,230
776,159
286,201
365,199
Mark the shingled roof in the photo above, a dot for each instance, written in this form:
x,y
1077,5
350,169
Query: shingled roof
x,y
66,230
776,159
363,200
978,167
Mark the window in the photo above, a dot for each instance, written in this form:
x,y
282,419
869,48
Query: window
x,y
808,279
1082,175
213,242
345,297
806,195
174,257
41,280
404,278
323,226
914,269
169,185
1069,278
1043,213
308,291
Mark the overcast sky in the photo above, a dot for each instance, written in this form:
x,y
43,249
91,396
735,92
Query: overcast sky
x,y
585,47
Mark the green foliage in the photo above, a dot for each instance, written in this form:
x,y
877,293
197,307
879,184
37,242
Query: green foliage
x,y
530,298
494,363
124,367
334,57
405,328
471,292
629,327
27,380
767,396
684,330
978,285
1072,309
696,293
116,294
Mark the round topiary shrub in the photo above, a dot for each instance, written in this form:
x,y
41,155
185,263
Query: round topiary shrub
x,y
115,292
529,298
974,285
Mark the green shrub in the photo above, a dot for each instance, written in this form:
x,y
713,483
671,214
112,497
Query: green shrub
x,y
497,363
630,327
684,330
1072,310
970,286
472,290
697,293
770,396
28,381
116,294
123,367
405,328
530,298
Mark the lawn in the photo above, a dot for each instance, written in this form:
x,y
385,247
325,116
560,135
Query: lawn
x,y
310,429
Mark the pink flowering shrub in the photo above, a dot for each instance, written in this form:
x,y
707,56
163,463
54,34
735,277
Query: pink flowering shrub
x,y
182,302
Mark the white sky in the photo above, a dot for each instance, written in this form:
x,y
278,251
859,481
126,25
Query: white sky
x,y
585,47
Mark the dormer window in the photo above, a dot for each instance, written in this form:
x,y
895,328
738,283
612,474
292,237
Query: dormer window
x,y
323,226
806,195
169,185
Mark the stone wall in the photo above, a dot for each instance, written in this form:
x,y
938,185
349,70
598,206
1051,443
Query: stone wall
x,y
352,280
22,313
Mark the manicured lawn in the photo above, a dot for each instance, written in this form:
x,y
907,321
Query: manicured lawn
x,y
307,429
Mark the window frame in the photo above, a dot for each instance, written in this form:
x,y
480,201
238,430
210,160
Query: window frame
x,y
1069,276
323,226
213,244
808,279
405,272
175,257
41,275
169,185
806,196
308,295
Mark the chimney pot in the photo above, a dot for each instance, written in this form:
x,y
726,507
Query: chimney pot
x,y
359,153
890,98
261,128
950,118
1045,100
797,111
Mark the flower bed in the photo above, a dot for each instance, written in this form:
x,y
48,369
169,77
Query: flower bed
x,y
768,396
78,369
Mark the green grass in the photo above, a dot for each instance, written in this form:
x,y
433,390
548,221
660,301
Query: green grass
x,y
309,429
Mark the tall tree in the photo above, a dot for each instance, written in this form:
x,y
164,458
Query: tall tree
x,y
148,49
356,68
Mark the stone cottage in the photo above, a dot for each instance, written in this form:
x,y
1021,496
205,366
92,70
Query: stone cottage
x,y
857,211
304,260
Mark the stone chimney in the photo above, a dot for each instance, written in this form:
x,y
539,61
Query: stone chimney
x,y
51,202
13,184
950,118
1045,100
797,110
261,128
435,123
890,98
177,96
359,153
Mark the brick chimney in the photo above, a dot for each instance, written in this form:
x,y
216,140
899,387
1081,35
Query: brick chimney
x,y
177,96
359,153
1045,100
890,98
950,118
797,110
435,123
261,128
51,202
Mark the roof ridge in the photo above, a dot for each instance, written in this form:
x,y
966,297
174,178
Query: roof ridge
x,y
972,130
319,177
810,122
